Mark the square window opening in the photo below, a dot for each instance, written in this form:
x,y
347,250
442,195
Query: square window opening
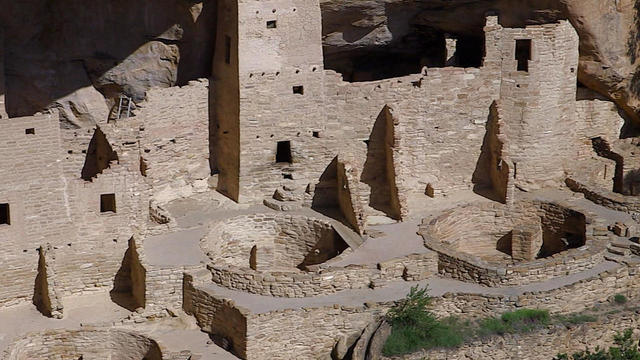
x,y
523,54
227,49
283,152
298,90
30,131
316,134
5,216
272,24
108,203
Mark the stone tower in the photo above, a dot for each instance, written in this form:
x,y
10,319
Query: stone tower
x,y
537,102
268,92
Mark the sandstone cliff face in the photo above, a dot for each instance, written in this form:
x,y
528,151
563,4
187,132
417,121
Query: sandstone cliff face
x,y
55,48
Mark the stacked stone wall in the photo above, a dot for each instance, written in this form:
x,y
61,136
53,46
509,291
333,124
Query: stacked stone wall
x,y
461,237
310,331
215,315
39,211
608,199
539,103
327,280
86,343
583,294
290,240
174,139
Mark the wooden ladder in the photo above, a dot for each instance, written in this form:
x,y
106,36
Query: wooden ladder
x,y
124,107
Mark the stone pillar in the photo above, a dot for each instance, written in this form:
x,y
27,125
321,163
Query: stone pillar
x,y
526,242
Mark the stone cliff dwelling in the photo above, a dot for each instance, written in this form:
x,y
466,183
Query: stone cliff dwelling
x,y
277,203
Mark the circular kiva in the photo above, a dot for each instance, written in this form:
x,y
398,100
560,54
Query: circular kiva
x,y
283,255
495,244
84,344
273,254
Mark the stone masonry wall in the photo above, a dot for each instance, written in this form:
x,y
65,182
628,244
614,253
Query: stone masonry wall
x,y
583,294
39,211
310,332
539,104
174,140
86,343
455,236
325,281
216,316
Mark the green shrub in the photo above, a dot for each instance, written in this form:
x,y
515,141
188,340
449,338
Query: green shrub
x,y
575,319
626,349
619,299
522,320
414,327
412,310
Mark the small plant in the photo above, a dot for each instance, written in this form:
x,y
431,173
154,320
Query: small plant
x,y
412,310
619,299
626,349
519,321
414,327
576,319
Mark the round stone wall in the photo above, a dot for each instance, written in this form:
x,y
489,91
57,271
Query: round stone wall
x,y
283,255
87,344
529,241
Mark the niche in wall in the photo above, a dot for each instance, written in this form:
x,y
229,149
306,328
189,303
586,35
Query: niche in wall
x,y
108,203
5,216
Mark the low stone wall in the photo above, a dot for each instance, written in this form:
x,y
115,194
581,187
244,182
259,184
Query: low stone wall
x,y
282,241
564,300
88,344
310,333
216,316
448,233
303,333
606,198
325,281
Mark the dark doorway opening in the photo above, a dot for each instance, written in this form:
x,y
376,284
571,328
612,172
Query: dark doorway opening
x,y
283,152
470,51
5,216
523,54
